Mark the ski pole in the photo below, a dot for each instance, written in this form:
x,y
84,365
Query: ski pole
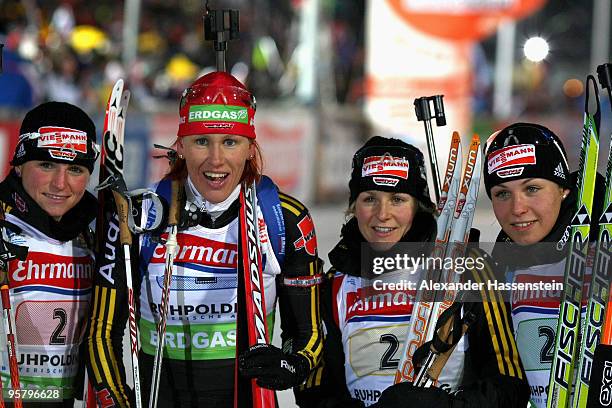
x,y
125,238
173,220
450,327
11,344
423,112
9,252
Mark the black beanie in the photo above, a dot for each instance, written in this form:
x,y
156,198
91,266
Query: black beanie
x,y
391,165
525,150
58,132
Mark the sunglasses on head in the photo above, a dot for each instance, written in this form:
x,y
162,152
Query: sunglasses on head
x,y
212,94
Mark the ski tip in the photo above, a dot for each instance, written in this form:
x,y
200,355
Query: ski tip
x,y
475,140
118,85
115,96
123,104
125,97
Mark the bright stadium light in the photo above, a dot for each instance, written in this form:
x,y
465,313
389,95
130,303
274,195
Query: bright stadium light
x,y
536,49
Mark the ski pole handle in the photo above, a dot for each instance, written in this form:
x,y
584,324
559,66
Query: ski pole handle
x,y
604,73
423,113
439,110
125,236
437,361
175,203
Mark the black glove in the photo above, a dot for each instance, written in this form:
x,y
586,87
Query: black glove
x,y
406,395
273,368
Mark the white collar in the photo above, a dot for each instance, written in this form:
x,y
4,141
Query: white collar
x,y
213,209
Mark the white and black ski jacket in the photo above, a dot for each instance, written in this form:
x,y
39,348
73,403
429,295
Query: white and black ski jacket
x,y
50,291
201,333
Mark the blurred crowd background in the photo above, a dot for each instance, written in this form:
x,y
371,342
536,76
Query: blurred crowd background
x,y
74,50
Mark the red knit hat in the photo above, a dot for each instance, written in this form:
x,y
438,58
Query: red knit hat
x,y
217,103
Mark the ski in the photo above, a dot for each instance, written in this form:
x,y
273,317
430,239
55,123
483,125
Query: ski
x,y
421,312
568,324
111,165
255,304
457,244
125,238
597,298
461,223
596,391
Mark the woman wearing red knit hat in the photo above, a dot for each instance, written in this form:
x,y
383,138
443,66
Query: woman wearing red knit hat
x,y
217,154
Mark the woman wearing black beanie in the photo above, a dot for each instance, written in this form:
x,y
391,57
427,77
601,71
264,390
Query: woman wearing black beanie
x,y
390,213
534,198
44,197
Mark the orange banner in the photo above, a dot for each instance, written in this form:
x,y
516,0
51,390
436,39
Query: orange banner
x,y
461,19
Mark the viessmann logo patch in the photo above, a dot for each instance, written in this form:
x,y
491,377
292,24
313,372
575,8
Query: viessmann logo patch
x,y
380,166
218,113
519,155
69,141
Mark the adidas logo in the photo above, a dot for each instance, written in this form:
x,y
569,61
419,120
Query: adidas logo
x,y
559,171
21,151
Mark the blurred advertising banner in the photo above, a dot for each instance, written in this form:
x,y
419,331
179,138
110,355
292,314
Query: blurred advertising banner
x,y
461,19
9,134
420,48
163,132
288,138
402,64
343,131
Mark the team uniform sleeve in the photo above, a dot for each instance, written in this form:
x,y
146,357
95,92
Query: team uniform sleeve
x,y
299,283
105,332
326,384
497,375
